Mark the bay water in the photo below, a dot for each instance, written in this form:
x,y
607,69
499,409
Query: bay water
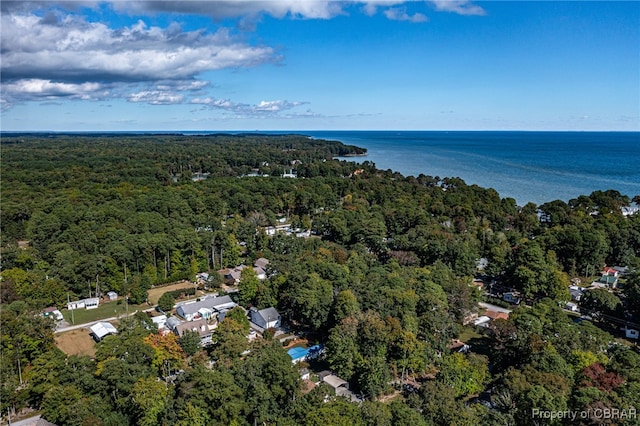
x,y
533,167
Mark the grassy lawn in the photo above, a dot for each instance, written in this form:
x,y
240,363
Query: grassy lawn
x,y
104,310
478,342
76,342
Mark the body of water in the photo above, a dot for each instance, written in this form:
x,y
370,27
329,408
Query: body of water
x,y
527,166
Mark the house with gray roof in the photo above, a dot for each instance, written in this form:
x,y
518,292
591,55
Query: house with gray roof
x,y
198,326
265,318
204,308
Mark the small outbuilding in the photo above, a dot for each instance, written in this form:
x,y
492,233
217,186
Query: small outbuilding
x,y
102,329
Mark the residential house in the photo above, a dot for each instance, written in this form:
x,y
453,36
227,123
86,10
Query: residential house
x,y
630,333
609,280
610,271
100,330
261,263
570,306
260,273
339,386
90,303
482,321
265,318
232,274
52,312
202,279
171,323
204,308
273,230
622,270
199,326
494,315
511,297
576,293
305,374
458,346
160,321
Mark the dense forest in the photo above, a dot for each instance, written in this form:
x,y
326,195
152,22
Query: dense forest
x,y
384,282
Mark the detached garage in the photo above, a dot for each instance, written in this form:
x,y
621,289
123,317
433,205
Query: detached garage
x,y
102,329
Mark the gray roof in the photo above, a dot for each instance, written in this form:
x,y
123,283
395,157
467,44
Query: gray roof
x,y
172,322
216,303
269,314
261,263
199,325
334,381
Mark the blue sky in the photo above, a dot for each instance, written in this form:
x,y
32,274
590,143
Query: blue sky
x,y
314,65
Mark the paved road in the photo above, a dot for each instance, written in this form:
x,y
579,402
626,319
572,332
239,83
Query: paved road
x,y
31,421
494,308
89,324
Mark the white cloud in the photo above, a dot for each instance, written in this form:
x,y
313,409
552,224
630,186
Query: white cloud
x,y
263,108
461,7
156,97
304,9
222,9
35,89
91,50
400,14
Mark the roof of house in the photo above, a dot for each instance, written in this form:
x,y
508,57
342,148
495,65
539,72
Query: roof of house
x,y
269,314
102,329
159,320
334,381
172,322
200,326
216,303
497,315
608,279
261,263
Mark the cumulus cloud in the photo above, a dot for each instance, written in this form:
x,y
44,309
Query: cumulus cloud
x,y
75,48
400,14
50,51
461,7
222,9
36,89
63,55
263,108
156,97
248,9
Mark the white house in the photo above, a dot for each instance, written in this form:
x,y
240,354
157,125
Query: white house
x,y
265,318
90,303
630,333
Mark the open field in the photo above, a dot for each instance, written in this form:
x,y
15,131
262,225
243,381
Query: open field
x,y
155,293
76,342
105,310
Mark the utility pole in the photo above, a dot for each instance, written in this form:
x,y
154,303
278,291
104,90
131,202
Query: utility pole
x,y
19,370
73,321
